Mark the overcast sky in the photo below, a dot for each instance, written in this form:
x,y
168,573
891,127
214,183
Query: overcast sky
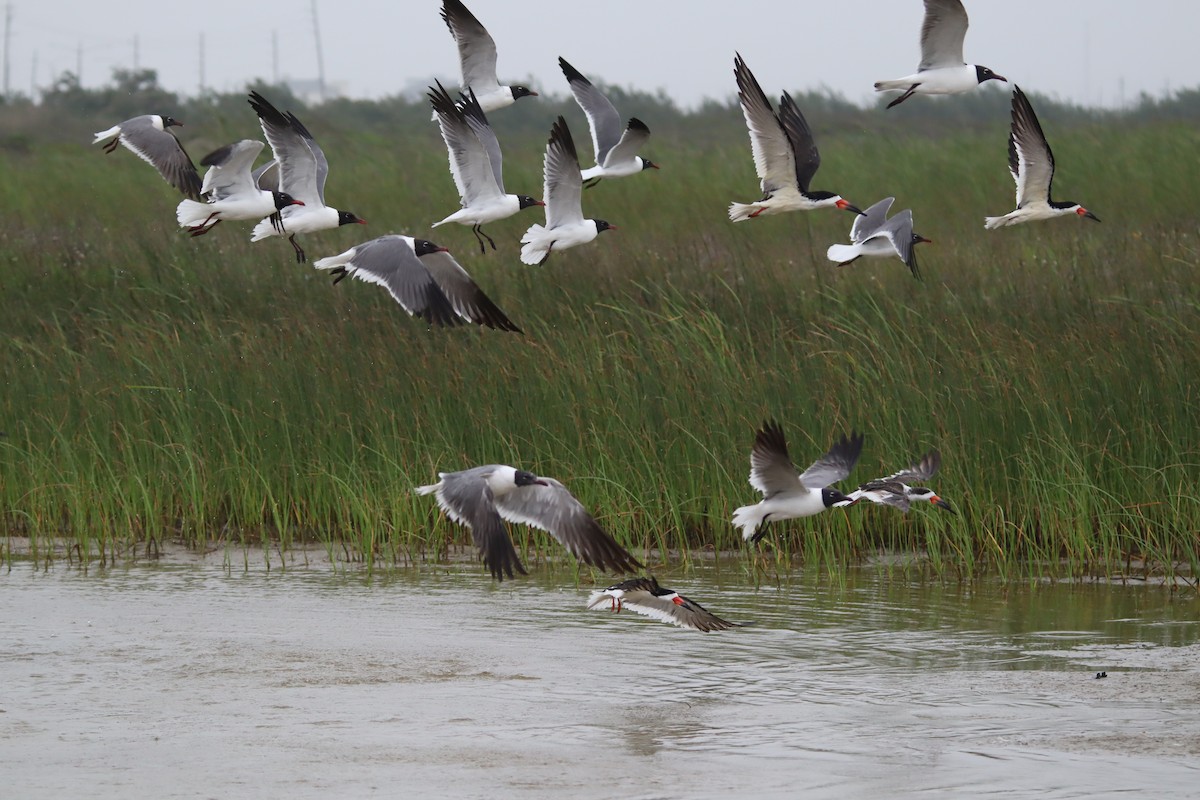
x,y
1095,52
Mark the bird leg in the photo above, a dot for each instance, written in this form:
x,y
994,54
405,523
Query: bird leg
x,y
590,182
547,256
204,227
341,273
300,257
904,96
108,148
758,211
478,230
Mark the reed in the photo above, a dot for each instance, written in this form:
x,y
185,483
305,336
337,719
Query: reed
x,y
211,391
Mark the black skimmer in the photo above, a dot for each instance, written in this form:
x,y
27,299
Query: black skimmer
x,y
231,191
476,164
1032,166
616,149
942,69
874,235
423,278
481,497
785,155
477,57
302,173
148,137
644,596
788,493
897,490
565,226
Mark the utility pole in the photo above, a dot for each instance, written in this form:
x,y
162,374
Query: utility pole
x,y
320,57
79,63
7,44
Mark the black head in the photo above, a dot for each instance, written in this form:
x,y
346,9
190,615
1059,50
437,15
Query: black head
x,y
833,498
520,91
648,164
601,225
919,239
169,121
526,201
984,74
346,218
283,199
424,247
523,478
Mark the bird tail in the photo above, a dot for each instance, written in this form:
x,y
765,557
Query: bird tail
x,y
741,211
191,213
843,254
892,86
263,229
991,223
536,248
102,135
748,518
341,260
597,598
431,488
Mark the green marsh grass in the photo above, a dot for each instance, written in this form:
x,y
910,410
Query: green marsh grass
x,y
212,392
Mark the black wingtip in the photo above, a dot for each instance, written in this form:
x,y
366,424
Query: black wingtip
x,y
572,75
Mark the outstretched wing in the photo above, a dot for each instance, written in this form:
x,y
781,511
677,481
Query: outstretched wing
x,y
920,471
476,48
563,181
1029,157
774,160
942,34
834,465
467,499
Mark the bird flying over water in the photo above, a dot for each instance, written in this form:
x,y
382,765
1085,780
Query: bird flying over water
x,y
942,69
644,596
616,149
785,155
231,191
1032,166
898,490
147,136
788,493
481,497
874,235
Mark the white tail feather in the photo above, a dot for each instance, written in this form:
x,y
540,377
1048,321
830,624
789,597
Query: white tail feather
x,y
889,86
191,213
431,488
741,211
747,519
842,253
991,223
102,135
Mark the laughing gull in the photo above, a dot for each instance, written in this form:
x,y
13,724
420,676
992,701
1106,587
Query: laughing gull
x,y
231,191
302,173
148,137
874,235
422,277
785,154
481,496
565,226
644,596
1032,166
788,493
942,69
477,56
476,164
616,150
897,491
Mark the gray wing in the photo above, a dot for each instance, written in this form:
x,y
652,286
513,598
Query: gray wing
x,y
554,509
636,134
804,147
476,48
391,262
774,160
771,470
942,34
229,170
689,614
834,465
563,181
470,163
467,499
161,150
884,492
921,471
465,296
870,221
1029,157
899,231
266,177
603,118
302,164
487,137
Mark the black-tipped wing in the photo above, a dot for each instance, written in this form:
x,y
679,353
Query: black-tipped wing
x,y
160,149
391,262
868,223
554,509
302,164
470,162
1029,156
635,136
920,471
476,48
771,470
644,596
464,294
774,160
942,34
229,170
467,499
804,147
563,181
883,492
834,465
899,231
602,116
478,122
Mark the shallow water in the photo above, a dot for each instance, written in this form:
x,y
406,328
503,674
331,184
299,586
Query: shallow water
x,y
172,681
